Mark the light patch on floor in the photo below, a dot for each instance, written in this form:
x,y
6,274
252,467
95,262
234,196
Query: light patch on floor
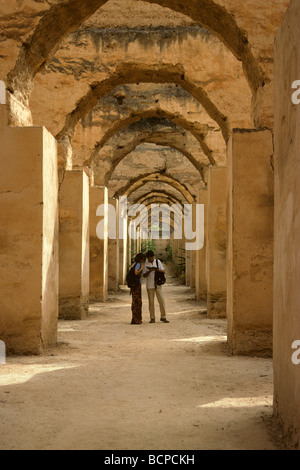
x,y
244,402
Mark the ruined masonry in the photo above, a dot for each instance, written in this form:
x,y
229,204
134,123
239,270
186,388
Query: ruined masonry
x,y
161,102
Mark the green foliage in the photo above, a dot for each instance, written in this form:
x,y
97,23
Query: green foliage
x,y
147,245
170,253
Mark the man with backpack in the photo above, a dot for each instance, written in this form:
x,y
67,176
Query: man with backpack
x,y
154,274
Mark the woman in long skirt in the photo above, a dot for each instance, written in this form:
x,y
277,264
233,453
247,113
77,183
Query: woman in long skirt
x,y
136,292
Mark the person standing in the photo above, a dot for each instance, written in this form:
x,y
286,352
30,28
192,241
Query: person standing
x,y
136,291
151,266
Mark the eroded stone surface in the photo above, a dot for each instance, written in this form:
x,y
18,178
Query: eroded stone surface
x,y
74,246
287,229
19,19
29,240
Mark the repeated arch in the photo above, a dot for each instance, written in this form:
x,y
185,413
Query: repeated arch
x,y
129,73
146,221
103,175
138,182
148,203
157,188
131,103
198,132
171,219
163,200
142,132
164,161
154,197
151,200
66,17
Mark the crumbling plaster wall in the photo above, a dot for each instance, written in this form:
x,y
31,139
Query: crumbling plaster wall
x,y
257,22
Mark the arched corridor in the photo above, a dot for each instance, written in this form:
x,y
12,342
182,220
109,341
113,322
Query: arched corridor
x,y
136,125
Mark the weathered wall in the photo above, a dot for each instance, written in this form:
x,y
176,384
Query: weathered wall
x,y
19,19
29,239
74,246
153,130
161,249
159,187
287,228
250,242
164,161
98,55
129,103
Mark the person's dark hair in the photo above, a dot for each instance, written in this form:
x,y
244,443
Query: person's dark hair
x,y
150,254
140,257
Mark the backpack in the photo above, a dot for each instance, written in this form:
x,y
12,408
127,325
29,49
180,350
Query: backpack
x,y
131,278
159,278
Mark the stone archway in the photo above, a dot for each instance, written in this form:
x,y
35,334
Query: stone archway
x,y
199,133
141,132
136,183
153,197
132,73
64,18
165,162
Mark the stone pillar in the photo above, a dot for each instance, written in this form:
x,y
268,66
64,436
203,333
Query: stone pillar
x,y
123,250
98,247
287,228
185,256
193,254
201,283
29,238
113,252
132,247
216,243
129,246
74,246
122,261
250,242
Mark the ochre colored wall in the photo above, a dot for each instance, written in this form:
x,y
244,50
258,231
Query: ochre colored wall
x,y
250,221
29,239
74,245
98,248
201,282
287,227
216,243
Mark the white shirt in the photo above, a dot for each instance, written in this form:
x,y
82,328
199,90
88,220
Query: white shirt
x,y
150,280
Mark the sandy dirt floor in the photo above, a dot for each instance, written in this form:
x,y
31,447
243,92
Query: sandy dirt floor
x,y
109,385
